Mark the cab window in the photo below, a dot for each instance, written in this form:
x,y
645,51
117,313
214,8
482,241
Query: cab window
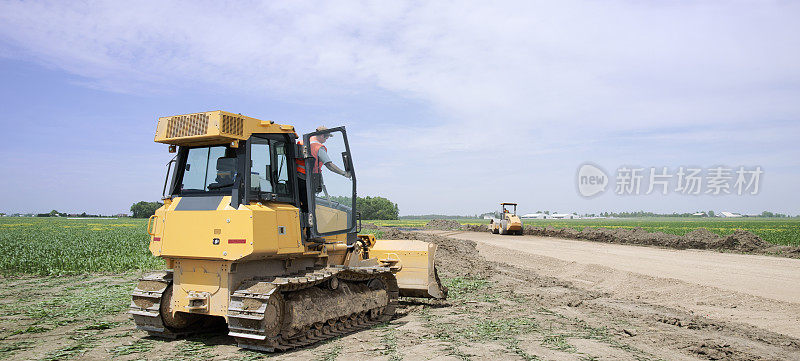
x,y
208,169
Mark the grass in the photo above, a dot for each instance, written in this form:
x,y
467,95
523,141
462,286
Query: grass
x,y
83,342
782,231
460,333
59,246
9,349
51,304
138,346
331,354
460,287
557,342
192,349
389,341
86,302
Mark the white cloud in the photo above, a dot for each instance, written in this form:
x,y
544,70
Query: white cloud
x,y
528,76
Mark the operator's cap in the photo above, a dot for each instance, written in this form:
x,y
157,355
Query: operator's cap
x,y
323,128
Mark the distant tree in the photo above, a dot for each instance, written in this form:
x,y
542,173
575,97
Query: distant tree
x,y
372,207
377,208
54,213
710,213
773,215
144,209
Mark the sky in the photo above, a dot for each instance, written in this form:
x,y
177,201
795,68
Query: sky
x,y
451,107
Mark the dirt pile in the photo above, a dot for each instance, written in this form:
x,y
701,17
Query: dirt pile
x,y
454,258
369,226
743,241
443,224
701,238
474,227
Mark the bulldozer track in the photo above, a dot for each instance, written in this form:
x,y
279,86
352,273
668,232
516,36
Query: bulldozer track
x,y
248,309
251,307
146,304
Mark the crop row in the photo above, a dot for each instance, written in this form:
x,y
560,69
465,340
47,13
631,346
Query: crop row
x,y
52,246
776,231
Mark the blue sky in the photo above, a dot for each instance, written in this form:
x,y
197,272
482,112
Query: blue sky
x,y
452,107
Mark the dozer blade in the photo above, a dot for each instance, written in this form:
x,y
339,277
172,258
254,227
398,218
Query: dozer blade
x,y
418,276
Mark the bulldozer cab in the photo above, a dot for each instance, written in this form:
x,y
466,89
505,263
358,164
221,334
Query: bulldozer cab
x,y
330,182
205,173
508,208
262,169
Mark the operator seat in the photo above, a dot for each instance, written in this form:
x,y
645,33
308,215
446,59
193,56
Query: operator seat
x,y
226,171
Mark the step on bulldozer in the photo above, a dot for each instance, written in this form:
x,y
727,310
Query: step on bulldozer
x,y
259,230
509,223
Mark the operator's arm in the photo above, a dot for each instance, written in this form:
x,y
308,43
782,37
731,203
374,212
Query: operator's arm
x,y
322,154
333,168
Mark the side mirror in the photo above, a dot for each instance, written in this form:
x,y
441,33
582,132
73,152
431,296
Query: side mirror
x,y
348,163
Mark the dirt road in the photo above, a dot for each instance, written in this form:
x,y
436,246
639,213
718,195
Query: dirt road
x,y
758,290
504,304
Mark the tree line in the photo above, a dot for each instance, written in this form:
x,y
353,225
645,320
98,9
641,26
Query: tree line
x,y
372,207
369,207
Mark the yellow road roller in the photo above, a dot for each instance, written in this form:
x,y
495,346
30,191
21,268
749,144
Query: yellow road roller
x,y
510,223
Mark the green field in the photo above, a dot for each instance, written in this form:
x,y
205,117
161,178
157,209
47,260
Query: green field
x,y
59,246
783,231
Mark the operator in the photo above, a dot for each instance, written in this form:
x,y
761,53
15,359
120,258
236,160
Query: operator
x,y
320,154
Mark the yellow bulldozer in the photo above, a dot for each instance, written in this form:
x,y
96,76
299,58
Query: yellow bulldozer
x,y
259,229
509,223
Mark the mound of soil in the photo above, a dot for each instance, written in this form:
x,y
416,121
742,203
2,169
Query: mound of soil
x,y
474,227
443,224
369,226
743,241
454,258
701,238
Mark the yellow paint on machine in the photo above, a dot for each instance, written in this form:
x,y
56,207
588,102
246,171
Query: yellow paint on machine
x,y
418,277
202,286
213,128
227,233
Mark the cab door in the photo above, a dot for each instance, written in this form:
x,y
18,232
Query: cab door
x,y
330,182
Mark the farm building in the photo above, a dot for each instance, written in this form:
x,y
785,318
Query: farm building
x,y
534,216
729,214
564,216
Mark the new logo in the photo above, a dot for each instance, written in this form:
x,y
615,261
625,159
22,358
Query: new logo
x,y
591,180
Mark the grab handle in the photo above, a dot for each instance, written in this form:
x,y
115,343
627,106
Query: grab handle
x,y
151,224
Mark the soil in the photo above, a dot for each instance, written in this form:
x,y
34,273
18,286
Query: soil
x,y
504,303
740,241
443,224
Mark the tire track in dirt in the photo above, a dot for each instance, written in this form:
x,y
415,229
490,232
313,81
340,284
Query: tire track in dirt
x,y
667,332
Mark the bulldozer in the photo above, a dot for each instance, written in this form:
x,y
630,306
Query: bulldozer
x,y
259,231
509,223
